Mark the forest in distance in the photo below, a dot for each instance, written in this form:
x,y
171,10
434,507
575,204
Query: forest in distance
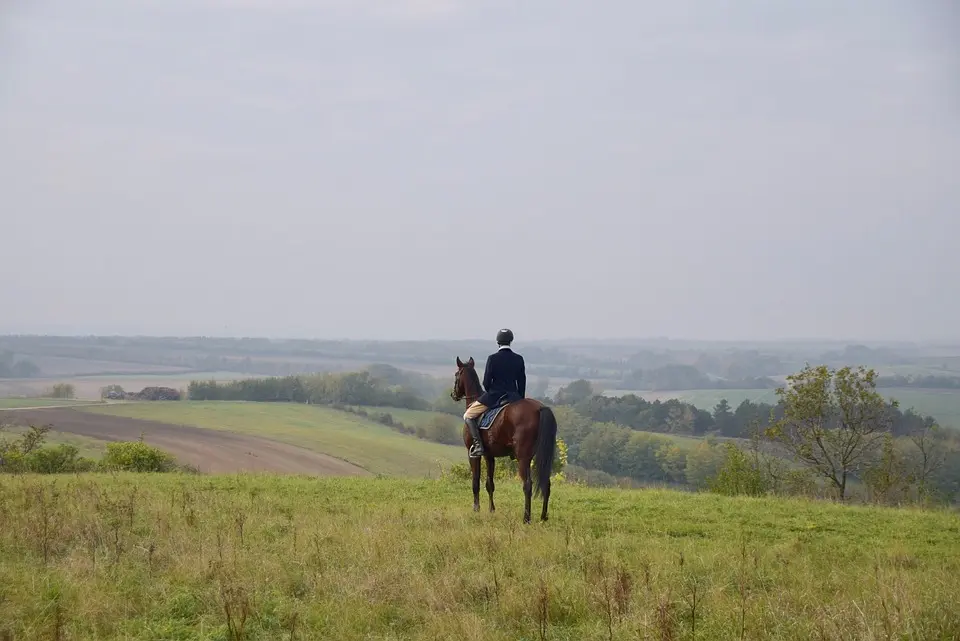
x,y
656,364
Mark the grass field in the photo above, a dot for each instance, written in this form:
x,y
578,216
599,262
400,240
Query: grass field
x,y
944,405
260,557
15,403
369,445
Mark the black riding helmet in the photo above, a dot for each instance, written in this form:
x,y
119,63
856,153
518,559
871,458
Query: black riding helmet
x,y
504,337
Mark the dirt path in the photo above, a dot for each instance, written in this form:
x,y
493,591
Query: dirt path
x,y
209,451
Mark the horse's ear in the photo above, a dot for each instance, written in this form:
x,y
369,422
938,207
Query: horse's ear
x,y
470,362
459,363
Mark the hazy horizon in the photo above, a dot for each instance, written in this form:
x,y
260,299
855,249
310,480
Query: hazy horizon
x,y
338,169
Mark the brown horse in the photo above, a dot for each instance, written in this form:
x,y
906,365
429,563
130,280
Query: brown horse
x,y
525,430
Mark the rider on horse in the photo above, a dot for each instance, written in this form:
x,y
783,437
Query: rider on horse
x,y
504,375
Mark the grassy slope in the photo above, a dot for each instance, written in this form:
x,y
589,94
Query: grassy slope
x,y
371,446
413,418
148,557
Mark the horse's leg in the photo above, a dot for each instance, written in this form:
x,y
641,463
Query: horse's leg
x,y
527,486
475,469
491,462
545,491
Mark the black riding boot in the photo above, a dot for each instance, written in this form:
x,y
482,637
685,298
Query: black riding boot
x,y
476,447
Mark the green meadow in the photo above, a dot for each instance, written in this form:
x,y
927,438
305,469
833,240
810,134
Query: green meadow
x,y
261,557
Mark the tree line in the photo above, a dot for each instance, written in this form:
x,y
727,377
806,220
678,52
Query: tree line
x,y
12,367
673,416
921,381
352,388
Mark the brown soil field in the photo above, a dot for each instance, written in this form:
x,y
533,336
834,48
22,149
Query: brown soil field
x,y
209,451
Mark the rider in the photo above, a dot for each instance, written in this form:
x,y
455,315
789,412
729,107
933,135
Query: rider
x,y
504,375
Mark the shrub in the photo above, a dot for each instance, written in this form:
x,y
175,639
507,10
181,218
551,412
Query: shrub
x,y
704,462
59,459
440,430
738,475
137,456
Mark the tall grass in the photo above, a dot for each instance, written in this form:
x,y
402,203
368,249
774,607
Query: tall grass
x,y
262,557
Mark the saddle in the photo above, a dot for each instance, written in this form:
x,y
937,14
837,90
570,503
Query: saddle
x,y
488,417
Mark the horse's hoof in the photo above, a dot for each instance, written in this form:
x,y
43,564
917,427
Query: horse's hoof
x,y
476,508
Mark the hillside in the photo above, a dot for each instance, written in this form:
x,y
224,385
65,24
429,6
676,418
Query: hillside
x,y
187,557
374,447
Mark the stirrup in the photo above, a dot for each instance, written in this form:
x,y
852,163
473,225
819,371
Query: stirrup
x,y
475,451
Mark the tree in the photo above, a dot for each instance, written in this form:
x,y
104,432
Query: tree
x,y
930,454
833,421
539,387
703,463
723,417
62,390
889,478
577,391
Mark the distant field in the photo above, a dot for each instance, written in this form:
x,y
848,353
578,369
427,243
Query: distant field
x,y
369,445
88,387
944,405
703,398
143,557
54,366
15,403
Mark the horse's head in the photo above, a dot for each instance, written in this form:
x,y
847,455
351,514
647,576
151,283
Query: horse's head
x,y
460,382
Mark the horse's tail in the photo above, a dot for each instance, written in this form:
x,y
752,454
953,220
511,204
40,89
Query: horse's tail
x,y
546,447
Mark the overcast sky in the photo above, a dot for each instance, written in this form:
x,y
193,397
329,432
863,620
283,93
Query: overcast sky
x,y
443,168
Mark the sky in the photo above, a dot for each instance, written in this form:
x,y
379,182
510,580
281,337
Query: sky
x,y
416,169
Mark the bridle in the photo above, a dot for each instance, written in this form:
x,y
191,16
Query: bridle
x,y
459,391
457,385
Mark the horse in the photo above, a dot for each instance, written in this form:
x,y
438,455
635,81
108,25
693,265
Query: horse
x,y
525,429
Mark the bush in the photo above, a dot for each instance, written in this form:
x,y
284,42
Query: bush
x,y
440,429
59,459
137,456
704,462
591,478
738,475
